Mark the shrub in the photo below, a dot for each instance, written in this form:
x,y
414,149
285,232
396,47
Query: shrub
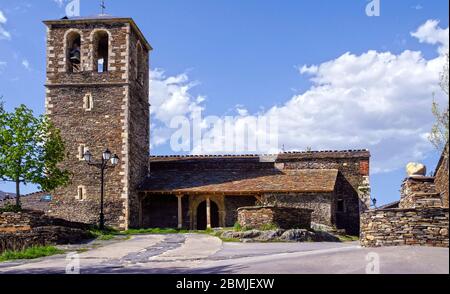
x,y
11,208
237,227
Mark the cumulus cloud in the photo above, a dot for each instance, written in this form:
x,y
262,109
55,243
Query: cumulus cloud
x,y
375,100
170,97
431,33
4,34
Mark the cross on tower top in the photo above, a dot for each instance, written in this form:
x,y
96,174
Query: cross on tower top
x,y
103,6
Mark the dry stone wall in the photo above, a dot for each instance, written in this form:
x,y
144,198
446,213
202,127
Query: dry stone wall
x,y
399,227
282,217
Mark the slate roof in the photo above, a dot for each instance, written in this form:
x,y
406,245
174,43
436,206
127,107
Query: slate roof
x,y
236,182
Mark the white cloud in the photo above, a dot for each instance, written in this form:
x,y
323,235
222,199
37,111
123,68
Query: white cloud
x,y
4,34
431,33
169,97
376,100
26,64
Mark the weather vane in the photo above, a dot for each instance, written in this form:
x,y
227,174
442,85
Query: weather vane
x,y
102,6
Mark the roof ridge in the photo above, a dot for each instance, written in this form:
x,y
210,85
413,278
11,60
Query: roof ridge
x,y
257,155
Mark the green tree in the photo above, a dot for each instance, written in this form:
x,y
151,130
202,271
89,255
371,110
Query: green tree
x,y
439,132
31,149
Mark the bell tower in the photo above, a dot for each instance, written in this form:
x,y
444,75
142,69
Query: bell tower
x,y
97,94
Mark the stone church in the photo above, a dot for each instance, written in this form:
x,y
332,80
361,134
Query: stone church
x,y
97,94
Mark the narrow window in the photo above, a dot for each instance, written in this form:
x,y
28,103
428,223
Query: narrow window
x,y
81,195
88,102
81,150
340,205
101,51
73,54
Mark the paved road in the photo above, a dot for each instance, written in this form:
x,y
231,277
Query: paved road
x,y
197,254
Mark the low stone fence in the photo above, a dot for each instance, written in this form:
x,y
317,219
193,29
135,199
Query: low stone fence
x,y
256,217
29,219
399,227
33,228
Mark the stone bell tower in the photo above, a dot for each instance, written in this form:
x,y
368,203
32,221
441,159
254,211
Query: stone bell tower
x,y
98,96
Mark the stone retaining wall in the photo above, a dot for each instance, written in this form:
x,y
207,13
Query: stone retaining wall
x,y
399,227
27,220
25,229
41,236
283,217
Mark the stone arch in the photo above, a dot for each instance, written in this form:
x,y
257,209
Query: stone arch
x,y
197,200
72,37
100,48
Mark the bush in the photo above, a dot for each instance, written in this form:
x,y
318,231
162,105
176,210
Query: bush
x,y
11,208
237,227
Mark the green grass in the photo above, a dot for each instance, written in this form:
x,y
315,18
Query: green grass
x,y
154,231
30,253
228,240
348,238
106,237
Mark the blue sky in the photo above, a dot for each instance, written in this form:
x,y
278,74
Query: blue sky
x,y
324,66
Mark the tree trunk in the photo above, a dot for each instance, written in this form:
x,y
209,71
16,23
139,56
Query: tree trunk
x,y
17,192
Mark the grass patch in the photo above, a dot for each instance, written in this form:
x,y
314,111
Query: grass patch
x,y
154,231
229,240
348,238
268,227
30,253
106,237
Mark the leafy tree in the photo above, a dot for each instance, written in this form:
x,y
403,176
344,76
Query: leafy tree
x,y
31,149
439,132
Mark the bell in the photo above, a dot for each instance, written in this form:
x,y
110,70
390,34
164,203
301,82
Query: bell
x,y
75,56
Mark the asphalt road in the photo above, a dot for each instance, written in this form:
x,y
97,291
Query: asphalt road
x,y
197,254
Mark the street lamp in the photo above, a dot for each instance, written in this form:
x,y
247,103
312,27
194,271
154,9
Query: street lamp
x,y
102,165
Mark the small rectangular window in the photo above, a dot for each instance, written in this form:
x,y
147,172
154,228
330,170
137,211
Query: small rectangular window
x,y
81,150
88,102
340,205
81,195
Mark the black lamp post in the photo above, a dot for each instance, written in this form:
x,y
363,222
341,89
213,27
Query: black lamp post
x,y
102,165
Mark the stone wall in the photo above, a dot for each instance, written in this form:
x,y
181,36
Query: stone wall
x,y
283,217
41,236
321,204
419,191
118,120
25,229
28,220
398,227
232,203
441,180
353,165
